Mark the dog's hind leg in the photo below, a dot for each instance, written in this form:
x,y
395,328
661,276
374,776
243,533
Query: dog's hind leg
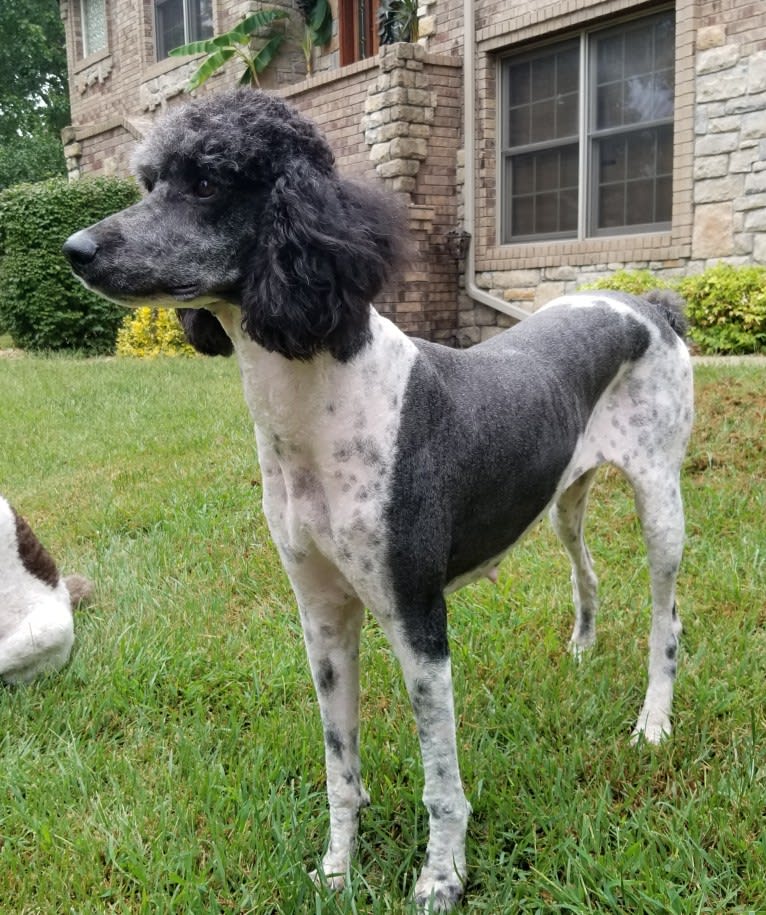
x,y
568,519
428,677
658,500
332,622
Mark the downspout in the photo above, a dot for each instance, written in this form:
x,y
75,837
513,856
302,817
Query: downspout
x,y
469,186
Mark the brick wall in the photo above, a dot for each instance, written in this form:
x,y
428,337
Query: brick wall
x,y
368,111
117,93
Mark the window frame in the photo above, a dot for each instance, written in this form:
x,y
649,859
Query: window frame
x,y
87,51
588,137
358,36
188,20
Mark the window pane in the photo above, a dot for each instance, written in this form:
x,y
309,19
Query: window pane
x,y
520,84
611,160
663,199
609,57
639,202
543,96
544,77
634,179
523,216
201,15
543,125
544,192
93,26
638,51
634,74
567,114
170,26
518,126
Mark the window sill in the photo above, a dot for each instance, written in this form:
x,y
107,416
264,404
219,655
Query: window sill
x,y
168,64
92,59
601,249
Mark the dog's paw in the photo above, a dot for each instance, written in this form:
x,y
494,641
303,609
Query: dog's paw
x,y
437,891
651,729
334,882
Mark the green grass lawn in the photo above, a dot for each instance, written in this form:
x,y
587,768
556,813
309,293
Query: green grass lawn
x,y
176,765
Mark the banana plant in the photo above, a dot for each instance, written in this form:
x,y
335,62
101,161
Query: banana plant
x,y
236,43
317,19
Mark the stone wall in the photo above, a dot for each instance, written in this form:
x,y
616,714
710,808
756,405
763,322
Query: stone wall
x,y
719,195
729,149
397,119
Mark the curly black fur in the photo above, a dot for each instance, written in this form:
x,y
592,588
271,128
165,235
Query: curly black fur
x,y
325,249
317,248
203,330
244,206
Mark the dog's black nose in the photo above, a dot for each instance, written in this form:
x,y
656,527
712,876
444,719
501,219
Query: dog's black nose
x,y
80,248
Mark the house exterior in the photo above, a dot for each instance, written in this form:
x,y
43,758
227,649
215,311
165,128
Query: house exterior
x,y
564,139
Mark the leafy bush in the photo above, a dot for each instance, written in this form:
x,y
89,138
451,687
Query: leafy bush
x,y
726,307
152,332
42,304
636,282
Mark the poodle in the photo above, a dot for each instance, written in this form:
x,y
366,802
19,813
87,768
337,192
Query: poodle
x,y
36,603
395,470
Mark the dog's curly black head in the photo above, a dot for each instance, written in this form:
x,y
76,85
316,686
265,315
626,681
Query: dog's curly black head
x,y
243,204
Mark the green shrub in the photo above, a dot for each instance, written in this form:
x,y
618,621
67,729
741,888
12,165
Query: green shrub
x,y
152,332
726,307
43,306
636,282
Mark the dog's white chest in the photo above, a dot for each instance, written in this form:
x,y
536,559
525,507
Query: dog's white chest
x,y
326,434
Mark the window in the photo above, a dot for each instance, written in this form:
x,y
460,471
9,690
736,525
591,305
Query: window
x,y
587,134
358,29
93,18
181,21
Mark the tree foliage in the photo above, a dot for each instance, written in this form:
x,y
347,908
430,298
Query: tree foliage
x,y
34,99
42,304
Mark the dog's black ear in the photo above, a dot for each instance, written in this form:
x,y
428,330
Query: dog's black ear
x,y
326,248
203,330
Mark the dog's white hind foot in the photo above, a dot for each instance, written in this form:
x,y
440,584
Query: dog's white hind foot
x,y
652,726
579,646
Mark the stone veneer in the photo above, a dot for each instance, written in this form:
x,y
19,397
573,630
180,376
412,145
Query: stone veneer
x,y
729,151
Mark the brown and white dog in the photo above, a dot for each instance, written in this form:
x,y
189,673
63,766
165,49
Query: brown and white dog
x,y
36,623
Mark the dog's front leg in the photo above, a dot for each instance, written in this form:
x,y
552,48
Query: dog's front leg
x,y
428,676
332,622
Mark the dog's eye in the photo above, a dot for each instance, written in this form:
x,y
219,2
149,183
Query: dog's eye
x,y
204,188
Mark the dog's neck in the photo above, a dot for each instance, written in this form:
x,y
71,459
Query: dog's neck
x,y
304,403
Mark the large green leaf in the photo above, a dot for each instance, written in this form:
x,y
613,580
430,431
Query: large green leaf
x,y
259,20
209,66
320,22
194,47
266,54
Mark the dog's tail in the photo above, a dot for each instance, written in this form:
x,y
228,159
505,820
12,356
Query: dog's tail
x,y
672,307
80,589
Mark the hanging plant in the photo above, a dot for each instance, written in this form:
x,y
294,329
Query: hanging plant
x,y
236,43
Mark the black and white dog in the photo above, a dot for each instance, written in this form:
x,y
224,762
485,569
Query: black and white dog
x,y
395,470
36,624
